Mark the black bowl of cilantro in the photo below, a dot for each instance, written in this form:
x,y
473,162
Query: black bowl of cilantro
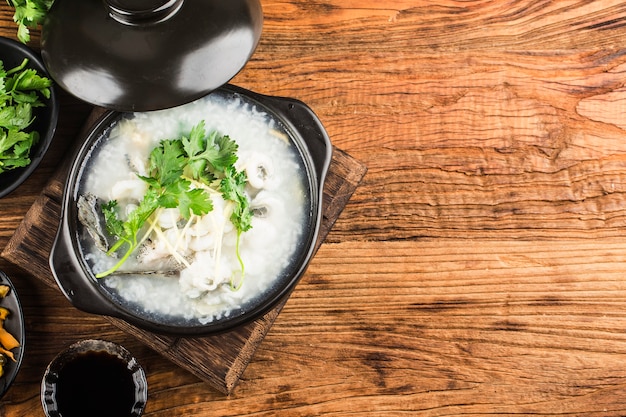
x,y
28,113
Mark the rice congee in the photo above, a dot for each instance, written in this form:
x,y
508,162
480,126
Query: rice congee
x,y
187,267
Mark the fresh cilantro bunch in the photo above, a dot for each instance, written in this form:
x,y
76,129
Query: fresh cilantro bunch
x,y
21,90
213,158
29,14
207,160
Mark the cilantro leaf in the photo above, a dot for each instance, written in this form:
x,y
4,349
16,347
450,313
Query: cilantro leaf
x,y
167,162
227,155
208,155
29,14
113,225
194,201
232,187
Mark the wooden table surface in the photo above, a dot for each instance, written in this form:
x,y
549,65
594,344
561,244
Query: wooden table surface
x,y
479,267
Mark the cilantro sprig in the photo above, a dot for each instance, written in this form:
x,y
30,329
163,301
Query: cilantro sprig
x,y
174,166
29,14
21,90
209,156
232,187
213,158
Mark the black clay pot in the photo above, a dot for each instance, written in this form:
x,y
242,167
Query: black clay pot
x,y
87,293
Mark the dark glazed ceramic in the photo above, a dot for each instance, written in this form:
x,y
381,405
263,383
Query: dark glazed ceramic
x,y
12,53
141,55
86,293
51,375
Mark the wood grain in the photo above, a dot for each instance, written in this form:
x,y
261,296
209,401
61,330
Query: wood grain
x,y
478,268
469,104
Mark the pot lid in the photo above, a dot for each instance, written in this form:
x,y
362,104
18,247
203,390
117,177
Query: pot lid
x,y
142,55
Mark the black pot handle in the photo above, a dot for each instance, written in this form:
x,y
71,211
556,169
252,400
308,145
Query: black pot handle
x,y
66,270
310,128
303,121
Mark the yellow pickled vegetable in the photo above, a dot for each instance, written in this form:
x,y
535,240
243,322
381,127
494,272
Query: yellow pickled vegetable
x,y
7,340
8,354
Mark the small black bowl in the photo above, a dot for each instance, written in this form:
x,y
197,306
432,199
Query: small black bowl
x,y
118,387
14,324
12,53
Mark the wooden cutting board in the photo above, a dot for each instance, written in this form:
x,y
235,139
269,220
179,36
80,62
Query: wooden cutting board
x,y
217,359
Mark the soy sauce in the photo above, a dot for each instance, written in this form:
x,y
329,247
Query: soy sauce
x,y
95,384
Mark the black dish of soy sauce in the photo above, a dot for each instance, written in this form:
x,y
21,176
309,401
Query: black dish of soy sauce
x,y
110,391
94,378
